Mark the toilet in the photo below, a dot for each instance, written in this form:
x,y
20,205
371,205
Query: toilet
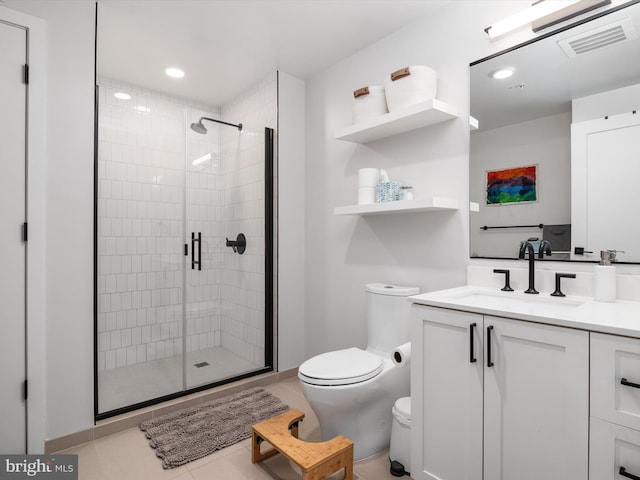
x,y
352,391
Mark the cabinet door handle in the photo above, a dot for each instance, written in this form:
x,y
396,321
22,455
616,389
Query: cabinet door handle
x,y
623,473
489,362
627,383
472,356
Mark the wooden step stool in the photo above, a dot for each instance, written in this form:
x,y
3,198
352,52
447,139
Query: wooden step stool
x,y
317,460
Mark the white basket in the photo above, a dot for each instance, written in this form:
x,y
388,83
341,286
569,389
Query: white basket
x,y
410,85
369,102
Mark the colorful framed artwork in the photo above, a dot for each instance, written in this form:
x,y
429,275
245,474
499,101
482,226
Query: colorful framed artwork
x,y
512,185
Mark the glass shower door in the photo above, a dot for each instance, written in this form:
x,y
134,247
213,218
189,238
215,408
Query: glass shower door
x,y
224,288
140,208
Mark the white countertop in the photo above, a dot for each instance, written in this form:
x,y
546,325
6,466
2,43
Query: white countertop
x,y
618,318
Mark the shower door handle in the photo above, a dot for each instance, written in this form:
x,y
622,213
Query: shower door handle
x,y
195,262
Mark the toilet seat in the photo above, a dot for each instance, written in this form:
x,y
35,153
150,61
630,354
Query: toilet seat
x,y
341,367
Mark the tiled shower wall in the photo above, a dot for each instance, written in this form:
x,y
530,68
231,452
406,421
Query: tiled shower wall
x,y
140,230
243,280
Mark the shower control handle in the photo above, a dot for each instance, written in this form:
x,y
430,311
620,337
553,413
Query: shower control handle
x,y
239,245
195,262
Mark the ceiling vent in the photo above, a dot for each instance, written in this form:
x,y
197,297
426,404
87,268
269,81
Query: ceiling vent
x,y
601,37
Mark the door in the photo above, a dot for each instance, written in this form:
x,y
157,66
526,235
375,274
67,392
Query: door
x,y
13,257
604,164
536,391
447,384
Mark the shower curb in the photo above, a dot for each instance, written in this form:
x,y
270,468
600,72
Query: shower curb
x,y
128,420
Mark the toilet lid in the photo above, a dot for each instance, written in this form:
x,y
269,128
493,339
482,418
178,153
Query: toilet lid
x,y
341,367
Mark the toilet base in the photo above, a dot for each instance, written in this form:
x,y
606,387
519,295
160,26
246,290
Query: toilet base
x,y
361,411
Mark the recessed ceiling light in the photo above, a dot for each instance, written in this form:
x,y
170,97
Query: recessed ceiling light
x,y
502,73
122,96
141,108
174,72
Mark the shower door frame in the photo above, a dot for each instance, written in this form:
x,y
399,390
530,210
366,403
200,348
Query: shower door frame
x,y
269,253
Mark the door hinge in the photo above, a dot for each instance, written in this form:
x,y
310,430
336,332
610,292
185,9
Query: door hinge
x,y
24,232
25,389
26,74
186,249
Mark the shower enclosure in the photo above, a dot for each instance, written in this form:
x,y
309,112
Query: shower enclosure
x,y
184,243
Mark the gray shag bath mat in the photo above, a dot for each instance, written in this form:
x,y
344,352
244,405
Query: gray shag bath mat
x,y
186,435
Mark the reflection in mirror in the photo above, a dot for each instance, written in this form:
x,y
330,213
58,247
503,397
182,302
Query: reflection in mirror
x,y
569,110
177,309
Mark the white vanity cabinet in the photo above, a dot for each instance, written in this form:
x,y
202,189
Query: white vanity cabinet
x,y
497,399
615,407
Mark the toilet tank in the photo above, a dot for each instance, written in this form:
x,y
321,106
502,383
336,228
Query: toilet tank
x,y
388,315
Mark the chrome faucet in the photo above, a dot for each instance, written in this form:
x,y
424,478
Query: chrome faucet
x,y
526,246
545,248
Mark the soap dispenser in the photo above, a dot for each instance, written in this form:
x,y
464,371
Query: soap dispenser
x,y
604,277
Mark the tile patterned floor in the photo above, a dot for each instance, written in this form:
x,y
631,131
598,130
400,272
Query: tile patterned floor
x,y
127,455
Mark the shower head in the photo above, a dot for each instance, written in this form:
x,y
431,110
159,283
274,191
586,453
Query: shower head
x,y
198,127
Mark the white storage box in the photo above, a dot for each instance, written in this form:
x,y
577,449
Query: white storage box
x,y
410,85
369,102
387,192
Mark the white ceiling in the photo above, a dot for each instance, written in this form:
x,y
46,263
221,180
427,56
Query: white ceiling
x,y
225,46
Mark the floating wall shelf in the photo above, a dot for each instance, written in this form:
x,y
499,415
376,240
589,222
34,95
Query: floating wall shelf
x,y
432,204
409,118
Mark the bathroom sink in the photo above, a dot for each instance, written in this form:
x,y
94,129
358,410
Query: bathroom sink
x,y
538,305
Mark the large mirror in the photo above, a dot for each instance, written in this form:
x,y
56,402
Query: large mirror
x,y
556,155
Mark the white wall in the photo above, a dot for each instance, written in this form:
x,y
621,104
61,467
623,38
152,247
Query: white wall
x,y
291,221
428,250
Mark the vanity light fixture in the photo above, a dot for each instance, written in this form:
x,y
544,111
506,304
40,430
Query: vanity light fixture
x,y
122,96
501,73
174,72
544,13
